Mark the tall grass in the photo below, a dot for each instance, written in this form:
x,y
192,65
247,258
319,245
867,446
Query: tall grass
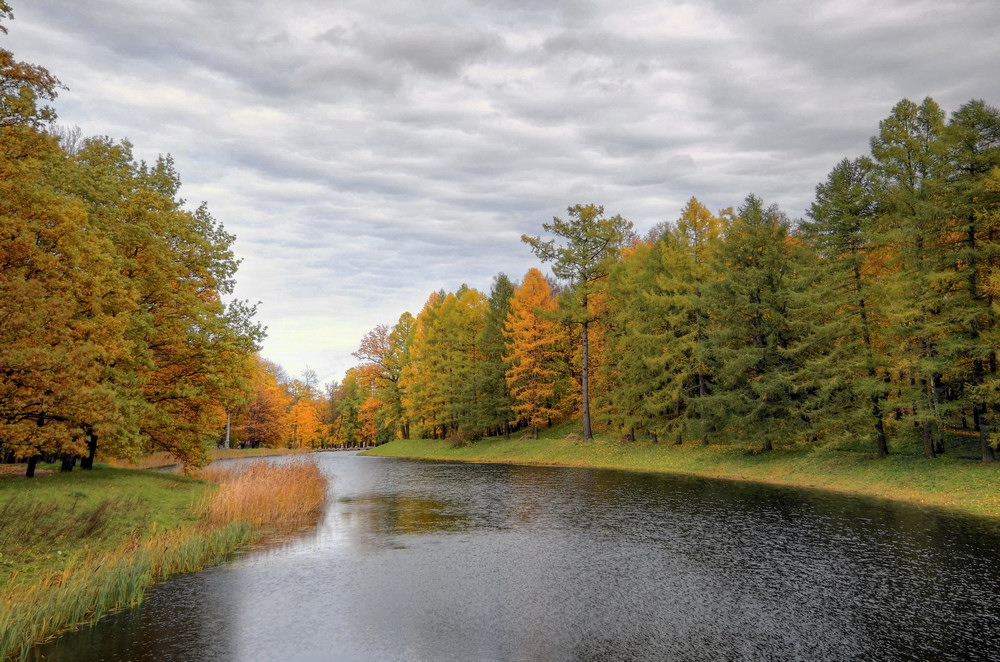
x,y
263,494
248,502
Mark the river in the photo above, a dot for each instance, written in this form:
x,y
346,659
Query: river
x,y
438,561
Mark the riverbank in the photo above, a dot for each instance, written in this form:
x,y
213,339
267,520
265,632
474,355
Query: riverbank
x,y
961,485
160,460
75,546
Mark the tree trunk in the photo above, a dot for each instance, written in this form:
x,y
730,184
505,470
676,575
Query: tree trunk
x,y
32,461
928,440
88,462
587,435
67,463
506,430
534,431
984,439
880,441
653,435
701,409
679,439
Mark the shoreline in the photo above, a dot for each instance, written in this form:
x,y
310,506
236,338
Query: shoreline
x,y
962,486
140,527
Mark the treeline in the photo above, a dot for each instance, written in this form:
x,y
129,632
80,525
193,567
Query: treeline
x,y
287,412
874,320
113,331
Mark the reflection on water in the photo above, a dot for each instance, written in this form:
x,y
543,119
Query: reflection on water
x,y
435,561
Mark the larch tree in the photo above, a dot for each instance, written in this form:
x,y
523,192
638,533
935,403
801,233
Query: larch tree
x,y
533,359
751,329
972,140
589,242
909,169
844,365
496,402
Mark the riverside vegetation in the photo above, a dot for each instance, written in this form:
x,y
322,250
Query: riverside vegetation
x,y
74,547
954,483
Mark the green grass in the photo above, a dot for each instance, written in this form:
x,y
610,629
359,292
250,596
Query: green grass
x,y
47,521
74,546
956,483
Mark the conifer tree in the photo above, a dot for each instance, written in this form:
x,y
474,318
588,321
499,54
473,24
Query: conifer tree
x,y
496,403
591,241
533,360
844,366
751,328
972,140
909,157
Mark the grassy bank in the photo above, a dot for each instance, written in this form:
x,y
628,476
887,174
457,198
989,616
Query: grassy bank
x,y
161,459
959,484
76,546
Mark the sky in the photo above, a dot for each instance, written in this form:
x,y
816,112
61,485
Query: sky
x,y
366,154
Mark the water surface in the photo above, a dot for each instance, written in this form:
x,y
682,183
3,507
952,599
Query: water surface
x,y
436,561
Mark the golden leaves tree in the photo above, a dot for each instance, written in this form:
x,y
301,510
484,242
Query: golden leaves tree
x,y
535,360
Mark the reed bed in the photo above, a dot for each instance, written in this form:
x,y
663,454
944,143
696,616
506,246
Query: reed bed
x,y
266,495
248,502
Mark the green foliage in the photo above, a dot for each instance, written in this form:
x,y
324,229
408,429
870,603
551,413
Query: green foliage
x,y
752,328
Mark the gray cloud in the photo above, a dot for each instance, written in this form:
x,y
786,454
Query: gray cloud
x,y
366,154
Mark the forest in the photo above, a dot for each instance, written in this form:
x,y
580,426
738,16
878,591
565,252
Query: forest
x,y
114,334
870,324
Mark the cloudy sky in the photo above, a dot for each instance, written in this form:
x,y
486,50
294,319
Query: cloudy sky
x,y
368,153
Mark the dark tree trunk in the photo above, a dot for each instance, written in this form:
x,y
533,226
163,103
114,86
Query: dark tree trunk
x,y
88,462
880,441
506,430
653,435
32,461
928,440
587,434
534,431
984,439
68,462
679,440
701,409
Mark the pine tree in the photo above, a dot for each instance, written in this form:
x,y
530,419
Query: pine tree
x,y
497,413
972,138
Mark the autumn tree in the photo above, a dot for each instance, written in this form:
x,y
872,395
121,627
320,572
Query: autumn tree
x,y
58,326
265,421
589,241
533,359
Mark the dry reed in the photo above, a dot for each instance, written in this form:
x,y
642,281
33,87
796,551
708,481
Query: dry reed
x,y
266,495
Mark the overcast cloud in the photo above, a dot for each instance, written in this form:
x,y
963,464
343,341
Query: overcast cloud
x,y
366,154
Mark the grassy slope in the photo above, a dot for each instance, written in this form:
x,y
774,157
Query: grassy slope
x,y
74,546
962,485
47,520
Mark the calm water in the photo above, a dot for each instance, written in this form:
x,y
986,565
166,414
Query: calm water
x,y
433,561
